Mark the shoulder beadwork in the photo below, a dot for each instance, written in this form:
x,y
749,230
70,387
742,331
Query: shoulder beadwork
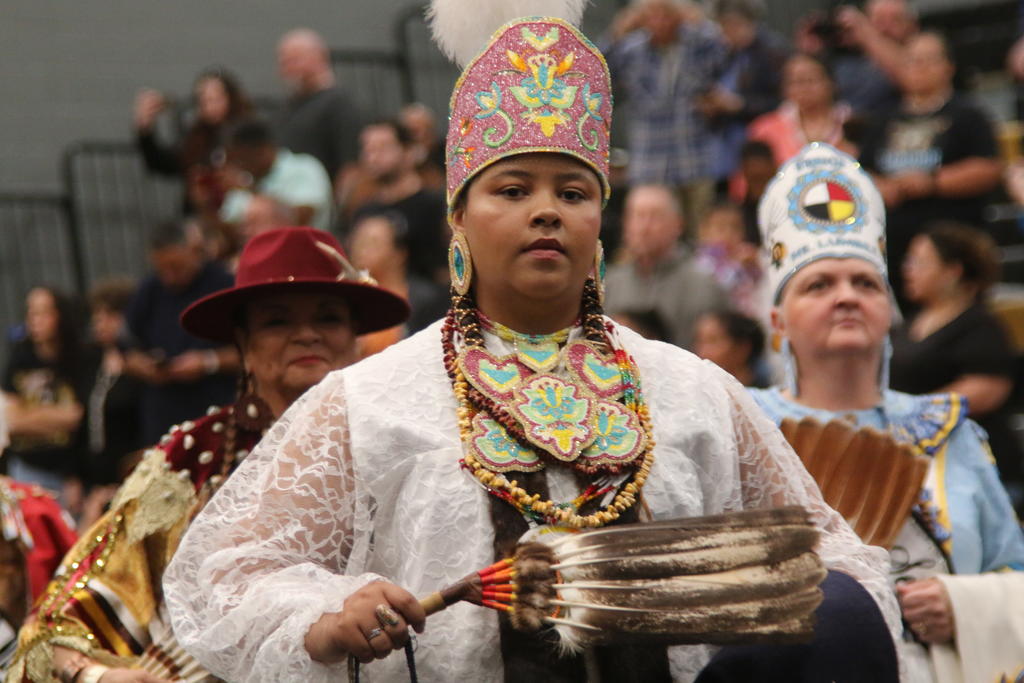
x,y
925,421
196,449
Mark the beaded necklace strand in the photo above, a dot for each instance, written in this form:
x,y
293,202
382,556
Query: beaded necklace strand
x,y
508,334
462,319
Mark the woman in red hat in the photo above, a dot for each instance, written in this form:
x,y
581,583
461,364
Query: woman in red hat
x,y
295,311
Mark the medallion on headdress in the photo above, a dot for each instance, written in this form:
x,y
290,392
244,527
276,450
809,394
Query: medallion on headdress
x,y
821,204
826,201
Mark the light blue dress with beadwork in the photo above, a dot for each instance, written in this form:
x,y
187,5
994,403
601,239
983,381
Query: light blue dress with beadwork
x,y
968,510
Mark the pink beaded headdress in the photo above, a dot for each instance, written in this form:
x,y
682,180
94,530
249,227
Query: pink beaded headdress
x,y
539,86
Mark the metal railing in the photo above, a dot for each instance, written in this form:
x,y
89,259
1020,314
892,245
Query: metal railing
x,y
38,246
377,80
429,73
113,203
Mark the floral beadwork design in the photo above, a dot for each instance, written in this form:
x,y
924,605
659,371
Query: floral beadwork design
x,y
542,91
618,436
493,377
592,101
498,451
556,416
539,86
600,375
490,105
459,151
540,43
549,417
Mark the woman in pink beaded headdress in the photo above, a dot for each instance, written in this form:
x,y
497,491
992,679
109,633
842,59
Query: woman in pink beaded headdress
x,y
524,411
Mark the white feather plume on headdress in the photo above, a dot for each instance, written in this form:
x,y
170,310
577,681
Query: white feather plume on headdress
x,y
461,28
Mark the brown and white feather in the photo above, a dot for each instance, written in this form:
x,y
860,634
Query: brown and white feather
x,y
867,476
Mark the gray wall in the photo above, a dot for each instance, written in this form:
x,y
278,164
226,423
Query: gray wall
x,y
69,70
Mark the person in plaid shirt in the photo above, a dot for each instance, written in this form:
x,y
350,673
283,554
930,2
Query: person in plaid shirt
x,y
663,61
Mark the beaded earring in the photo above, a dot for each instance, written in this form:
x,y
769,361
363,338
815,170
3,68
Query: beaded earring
x,y
600,267
460,265
251,412
789,379
883,370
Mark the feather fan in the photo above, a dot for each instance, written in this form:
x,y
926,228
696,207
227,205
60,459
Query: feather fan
x,y
165,658
461,29
866,475
748,576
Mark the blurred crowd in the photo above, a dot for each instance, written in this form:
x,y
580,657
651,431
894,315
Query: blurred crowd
x,y
714,103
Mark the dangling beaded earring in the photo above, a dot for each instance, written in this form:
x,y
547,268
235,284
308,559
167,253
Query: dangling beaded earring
x,y
883,371
600,267
251,412
788,368
460,265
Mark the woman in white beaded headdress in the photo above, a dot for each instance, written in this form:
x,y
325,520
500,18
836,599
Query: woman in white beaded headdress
x,y
408,471
823,223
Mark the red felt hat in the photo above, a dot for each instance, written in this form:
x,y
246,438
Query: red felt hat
x,y
286,259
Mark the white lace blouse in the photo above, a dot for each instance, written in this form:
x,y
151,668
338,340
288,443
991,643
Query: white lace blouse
x,y
360,481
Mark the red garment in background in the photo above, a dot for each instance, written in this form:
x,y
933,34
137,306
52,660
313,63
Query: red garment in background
x,y
52,536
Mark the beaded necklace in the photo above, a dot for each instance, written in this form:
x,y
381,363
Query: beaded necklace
x,y
539,352
463,321
508,334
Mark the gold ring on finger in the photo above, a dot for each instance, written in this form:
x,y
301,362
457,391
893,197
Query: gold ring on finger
x,y
386,616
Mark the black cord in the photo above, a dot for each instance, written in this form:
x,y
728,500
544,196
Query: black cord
x,y
410,662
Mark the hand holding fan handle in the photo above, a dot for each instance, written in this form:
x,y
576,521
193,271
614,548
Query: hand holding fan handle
x,y
433,603
471,588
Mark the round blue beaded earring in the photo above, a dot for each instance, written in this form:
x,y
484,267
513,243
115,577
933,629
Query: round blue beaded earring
x,y
460,265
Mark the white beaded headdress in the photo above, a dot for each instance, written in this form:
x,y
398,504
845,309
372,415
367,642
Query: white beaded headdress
x,y
821,204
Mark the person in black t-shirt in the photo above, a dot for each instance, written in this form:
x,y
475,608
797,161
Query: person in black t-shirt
x,y
183,375
934,157
954,344
46,387
320,117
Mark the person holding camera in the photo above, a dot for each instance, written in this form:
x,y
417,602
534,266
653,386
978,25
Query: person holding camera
x,y
665,58
864,50
219,101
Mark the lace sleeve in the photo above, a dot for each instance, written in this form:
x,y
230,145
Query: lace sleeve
x,y
772,475
268,555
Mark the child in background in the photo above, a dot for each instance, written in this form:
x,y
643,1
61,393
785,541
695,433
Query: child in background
x,y
724,253
757,168
735,343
